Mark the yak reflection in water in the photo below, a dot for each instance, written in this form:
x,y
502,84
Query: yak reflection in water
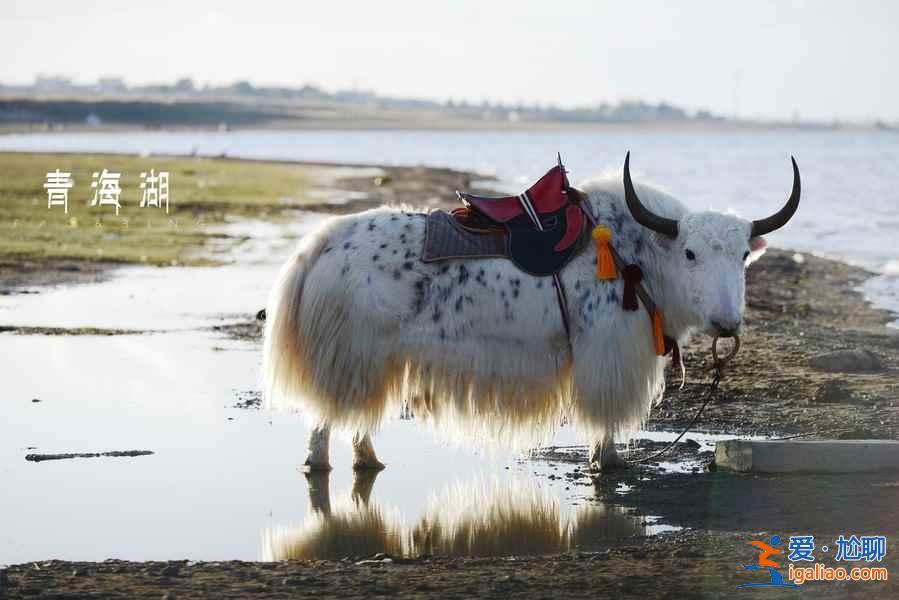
x,y
475,519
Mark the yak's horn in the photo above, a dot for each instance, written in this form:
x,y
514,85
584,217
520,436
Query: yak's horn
x,y
780,218
641,214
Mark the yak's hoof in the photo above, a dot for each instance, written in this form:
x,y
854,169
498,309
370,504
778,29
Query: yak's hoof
x,y
368,465
312,467
609,465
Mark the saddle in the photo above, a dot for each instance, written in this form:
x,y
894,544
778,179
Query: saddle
x,y
541,229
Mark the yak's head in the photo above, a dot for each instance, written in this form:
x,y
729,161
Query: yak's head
x,y
710,252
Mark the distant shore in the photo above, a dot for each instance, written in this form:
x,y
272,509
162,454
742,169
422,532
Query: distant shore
x,y
52,114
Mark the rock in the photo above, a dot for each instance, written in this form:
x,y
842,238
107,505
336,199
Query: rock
x,y
810,456
847,361
4,582
171,571
691,443
260,316
834,391
169,596
35,399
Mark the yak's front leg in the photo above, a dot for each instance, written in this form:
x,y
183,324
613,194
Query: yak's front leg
x,y
364,453
604,457
318,458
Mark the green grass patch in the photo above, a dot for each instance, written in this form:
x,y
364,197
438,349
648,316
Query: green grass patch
x,y
203,191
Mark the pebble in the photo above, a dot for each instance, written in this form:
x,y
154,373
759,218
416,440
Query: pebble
x,y
846,361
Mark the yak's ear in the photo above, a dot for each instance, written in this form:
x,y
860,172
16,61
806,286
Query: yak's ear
x,y
757,247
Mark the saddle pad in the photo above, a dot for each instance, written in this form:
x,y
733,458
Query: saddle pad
x,y
445,239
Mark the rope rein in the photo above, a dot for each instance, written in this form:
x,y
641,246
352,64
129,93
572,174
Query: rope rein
x,y
718,364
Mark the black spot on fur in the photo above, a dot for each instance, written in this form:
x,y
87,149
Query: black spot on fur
x,y
508,314
638,245
437,315
397,274
612,296
422,287
539,284
371,225
346,245
463,275
375,258
326,250
382,246
444,294
458,306
407,265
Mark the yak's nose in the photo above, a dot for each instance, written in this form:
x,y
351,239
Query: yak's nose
x,y
727,329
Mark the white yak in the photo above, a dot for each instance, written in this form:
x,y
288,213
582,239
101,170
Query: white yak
x,y
358,326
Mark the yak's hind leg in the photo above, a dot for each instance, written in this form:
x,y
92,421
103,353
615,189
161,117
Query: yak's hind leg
x,y
364,453
604,457
318,458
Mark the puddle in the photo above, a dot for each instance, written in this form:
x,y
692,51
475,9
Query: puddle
x,y
223,481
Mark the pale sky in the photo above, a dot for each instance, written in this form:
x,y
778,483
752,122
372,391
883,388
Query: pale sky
x,y
821,59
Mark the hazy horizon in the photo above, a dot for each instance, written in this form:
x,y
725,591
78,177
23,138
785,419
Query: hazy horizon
x,y
773,60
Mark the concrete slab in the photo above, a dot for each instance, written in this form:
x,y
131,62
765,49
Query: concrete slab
x,y
813,456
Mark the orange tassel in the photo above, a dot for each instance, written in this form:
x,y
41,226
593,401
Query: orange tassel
x,y
605,264
658,335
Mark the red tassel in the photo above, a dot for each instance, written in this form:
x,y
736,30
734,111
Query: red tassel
x,y
632,276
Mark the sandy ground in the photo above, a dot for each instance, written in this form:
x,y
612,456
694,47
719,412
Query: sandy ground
x,y
817,361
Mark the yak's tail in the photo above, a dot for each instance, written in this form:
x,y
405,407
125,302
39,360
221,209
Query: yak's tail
x,y
285,371
323,353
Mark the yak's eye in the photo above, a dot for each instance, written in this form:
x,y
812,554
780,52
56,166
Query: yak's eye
x,y
745,256
690,255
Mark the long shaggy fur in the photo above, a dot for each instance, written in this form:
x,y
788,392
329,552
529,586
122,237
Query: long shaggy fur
x,y
358,326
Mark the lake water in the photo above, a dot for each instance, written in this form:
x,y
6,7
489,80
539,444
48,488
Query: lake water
x,y
223,482
850,200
